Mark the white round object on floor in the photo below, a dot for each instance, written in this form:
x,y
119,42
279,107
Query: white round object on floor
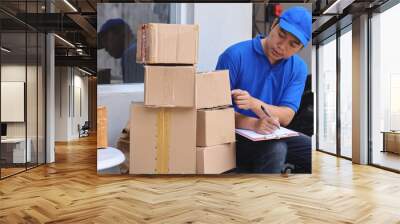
x,y
109,157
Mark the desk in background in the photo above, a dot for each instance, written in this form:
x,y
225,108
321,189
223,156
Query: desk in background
x,y
391,141
13,150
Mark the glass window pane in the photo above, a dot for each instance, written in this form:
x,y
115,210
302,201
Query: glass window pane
x,y
346,94
385,86
41,98
13,87
31,98
327,97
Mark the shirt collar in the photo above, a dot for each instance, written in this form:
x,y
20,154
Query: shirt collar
x,y
258,48
257,45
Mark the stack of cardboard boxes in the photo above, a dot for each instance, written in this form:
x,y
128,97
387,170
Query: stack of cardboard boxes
x,y
163,128
215,123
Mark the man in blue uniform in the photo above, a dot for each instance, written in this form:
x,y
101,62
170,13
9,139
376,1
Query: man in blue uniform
x,y
266,72
117,38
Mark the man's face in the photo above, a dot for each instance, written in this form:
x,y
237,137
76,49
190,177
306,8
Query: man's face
x,y
114,43
282,44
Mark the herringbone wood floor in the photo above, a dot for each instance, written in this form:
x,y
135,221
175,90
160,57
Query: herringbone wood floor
x,y
70,191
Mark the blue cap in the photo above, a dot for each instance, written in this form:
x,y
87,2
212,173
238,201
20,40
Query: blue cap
x,y
297,21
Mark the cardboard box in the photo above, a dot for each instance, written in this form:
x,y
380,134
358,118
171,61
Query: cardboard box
x,y
213,89
215,126
216,159
163,140
169,86
167,44
102,136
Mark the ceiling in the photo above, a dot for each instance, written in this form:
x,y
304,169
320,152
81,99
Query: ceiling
x,y
73,20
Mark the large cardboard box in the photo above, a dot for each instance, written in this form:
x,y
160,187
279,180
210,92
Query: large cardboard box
x,y
213,89
163,140
167,44
215,126
169,86
216,159
102,136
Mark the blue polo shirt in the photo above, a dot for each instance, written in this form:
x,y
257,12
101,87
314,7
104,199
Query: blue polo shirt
x,y
281,84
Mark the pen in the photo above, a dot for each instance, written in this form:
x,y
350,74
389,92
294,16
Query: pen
x,y
266,113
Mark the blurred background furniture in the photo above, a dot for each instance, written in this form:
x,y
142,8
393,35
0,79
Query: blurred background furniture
x,y
391,141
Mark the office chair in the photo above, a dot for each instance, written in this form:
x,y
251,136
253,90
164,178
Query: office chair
x,y
84,130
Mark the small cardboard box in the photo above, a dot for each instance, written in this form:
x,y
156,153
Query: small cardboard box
x,y
163,140
213,89
215,126
102,136
167,44
216,159
169,86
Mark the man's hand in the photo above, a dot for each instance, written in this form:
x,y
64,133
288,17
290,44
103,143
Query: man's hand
x,y
243,99
266,125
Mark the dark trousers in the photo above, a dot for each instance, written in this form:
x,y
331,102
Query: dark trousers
x,y
271,156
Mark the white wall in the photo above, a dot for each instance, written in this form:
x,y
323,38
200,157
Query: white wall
x,y
221,25
61,103
16,73
68,82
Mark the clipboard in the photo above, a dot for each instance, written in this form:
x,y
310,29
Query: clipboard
x,y
278,134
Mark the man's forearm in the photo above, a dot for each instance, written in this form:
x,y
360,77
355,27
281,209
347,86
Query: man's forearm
x,y
284,114
244,122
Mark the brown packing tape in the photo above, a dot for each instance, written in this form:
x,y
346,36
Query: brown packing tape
x,y
163,136
143,43
102,127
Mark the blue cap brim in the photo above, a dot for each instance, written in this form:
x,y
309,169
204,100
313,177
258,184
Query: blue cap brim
x,y
294,31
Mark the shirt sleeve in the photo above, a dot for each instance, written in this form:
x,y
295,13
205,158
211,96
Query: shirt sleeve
x,y
294,91
225,62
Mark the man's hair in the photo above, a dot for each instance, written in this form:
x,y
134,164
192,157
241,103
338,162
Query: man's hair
x,y
275,22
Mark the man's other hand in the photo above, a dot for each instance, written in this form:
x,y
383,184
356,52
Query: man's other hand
x,y
243,99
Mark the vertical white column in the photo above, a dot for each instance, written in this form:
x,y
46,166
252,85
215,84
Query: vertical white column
x,y
360,90
50,93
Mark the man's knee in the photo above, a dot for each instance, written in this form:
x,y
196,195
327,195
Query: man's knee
x,y
305,139
271,158
277,151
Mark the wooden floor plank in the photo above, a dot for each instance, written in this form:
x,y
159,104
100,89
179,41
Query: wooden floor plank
x,y
70,191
